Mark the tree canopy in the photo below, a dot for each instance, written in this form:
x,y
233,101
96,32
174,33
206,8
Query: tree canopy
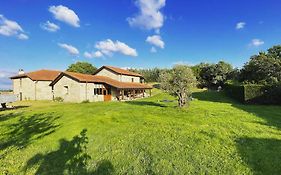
x,y
82,67
212,75
178,82
264,68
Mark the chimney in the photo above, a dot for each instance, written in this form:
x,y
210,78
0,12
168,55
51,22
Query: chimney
x,y
21,72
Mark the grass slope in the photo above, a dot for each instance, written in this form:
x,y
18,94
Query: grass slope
x,y
214,136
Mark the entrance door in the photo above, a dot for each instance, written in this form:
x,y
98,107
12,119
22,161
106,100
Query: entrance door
x,y
107,94
107,97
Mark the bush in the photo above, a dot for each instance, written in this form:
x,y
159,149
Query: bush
x,y
58,99
255,94
85,101
235,91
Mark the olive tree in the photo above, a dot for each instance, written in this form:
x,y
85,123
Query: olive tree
x,y
178,82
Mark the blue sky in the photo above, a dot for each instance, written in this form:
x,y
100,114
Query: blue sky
x,y
133,33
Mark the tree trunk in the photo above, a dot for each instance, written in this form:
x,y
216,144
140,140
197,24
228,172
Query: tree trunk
x,y
180,101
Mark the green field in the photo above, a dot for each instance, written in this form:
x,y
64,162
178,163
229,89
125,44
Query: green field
x,y
214,136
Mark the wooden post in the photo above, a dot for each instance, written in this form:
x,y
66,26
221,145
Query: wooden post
x,y
142,93
134,93
122,94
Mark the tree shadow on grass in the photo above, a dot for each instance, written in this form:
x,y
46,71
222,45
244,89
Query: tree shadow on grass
x,y
70,158
270,113
146,103
263,156
28,129
5,117
213,96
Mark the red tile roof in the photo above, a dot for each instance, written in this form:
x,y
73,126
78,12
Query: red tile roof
x,y
102,79
120,85
119,71
80,77
41,75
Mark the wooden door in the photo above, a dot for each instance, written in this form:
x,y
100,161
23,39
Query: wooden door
x,y
107,97
107,94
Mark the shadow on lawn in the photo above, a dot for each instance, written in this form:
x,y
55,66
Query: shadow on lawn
x,y
27,129
271,114
70,158
146,103
4,117
263,156
213,96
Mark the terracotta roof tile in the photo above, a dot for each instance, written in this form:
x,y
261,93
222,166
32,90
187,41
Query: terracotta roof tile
x,y
40,75
102,79
81,77
120,85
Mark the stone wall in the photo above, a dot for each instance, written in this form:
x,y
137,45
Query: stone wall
x,y
32,90
121,78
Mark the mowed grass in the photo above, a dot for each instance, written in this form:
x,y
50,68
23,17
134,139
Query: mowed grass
x,y
215,135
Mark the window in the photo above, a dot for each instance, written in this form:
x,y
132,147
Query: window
x,y
98,91
66,90
132,80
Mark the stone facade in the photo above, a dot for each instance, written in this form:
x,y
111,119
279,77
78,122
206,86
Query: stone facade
x,y
72,91
28,89
75,87
118,77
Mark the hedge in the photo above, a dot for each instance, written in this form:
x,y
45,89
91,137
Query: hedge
x,y
255,94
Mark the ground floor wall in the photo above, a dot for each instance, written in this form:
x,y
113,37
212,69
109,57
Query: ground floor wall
x,y
28,89
71,90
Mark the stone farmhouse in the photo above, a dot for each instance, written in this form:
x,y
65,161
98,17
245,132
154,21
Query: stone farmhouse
x,y
106,84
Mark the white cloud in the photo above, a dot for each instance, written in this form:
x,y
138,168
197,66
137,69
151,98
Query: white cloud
x,y
156,40
11,28
87,55
153,50
65,14
150,16
108,47
256,42
96,54
5,82
240,25
49,26
70,49
23,36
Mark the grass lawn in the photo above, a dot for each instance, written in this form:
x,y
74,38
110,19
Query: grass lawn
x,y
214,136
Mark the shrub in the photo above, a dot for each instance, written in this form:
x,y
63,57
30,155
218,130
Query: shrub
x,y
255,94
85,101
235,91
58,99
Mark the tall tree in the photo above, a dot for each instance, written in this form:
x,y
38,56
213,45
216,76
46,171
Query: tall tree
x,y
275,52
178,82
262,69
214,75
82,67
